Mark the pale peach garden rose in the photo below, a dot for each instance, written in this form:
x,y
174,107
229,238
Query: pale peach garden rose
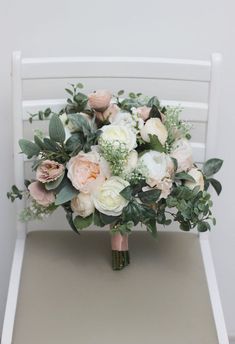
x,y
144,112
40,194
182,152
49,170
83,204
87,171
198,177
112,110
99,100
154,126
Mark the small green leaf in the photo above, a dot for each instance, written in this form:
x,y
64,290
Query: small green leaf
x,y
106,219
155,113
127,193
97,219
212,166
80,85
203,226
120,93
66,192
39,142
155,144
184,176
53,185
29,148
153,101
216,185
69,91
150,196
56,129
152,227
83,222
69,217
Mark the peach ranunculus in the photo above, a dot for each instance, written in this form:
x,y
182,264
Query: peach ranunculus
x,y
49,170
40,194
112,110
86,172
99,100
144,112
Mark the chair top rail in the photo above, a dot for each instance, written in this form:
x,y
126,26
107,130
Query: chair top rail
x,y
191,111
116,67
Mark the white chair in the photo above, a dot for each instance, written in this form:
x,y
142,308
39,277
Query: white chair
x,y
60,284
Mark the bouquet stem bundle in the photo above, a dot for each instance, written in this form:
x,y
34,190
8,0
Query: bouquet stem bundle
x,y
120,252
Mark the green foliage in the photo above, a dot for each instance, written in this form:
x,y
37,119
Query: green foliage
x,y
54,184
56,129
14,193
153,102
184,176
66,192
155,113
216,185
78,101
29,148
150,196
82,222
212,166
155,144
40,115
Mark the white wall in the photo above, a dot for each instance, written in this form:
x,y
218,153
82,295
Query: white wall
x,y
165,28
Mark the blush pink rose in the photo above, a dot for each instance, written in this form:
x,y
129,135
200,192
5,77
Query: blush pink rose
x,y
84,171
112,110
99,100
49,170
144,112
40,194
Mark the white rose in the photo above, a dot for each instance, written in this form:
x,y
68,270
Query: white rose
x,y
156,167
83,205
107,198
198,177
182,152
115,134
154,126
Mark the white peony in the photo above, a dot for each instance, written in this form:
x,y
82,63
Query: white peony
x,y
198,177
182,152
156,167
83,205
116,134
107,198
154,126
127,119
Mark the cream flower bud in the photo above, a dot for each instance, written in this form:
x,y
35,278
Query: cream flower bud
x,y
83,205
182,152
198,177
144,112
154,126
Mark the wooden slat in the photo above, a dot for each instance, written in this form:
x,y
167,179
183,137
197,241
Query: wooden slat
x,y
119,67
192,111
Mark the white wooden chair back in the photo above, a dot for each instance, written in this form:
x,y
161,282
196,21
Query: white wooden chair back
x,y
192,84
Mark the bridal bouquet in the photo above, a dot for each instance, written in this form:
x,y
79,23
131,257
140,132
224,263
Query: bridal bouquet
x,y
117,161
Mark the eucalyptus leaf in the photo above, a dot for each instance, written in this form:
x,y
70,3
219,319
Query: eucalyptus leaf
x,y
184,176
29,148
66,192
150,196
155,113
82,222
54,184
216,185
56,129
212,166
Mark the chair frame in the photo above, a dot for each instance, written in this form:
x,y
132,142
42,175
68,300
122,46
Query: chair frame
x,y
124,67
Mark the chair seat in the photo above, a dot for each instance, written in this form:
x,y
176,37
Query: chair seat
x,y
69,293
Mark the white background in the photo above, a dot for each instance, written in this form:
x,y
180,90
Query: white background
x,y
183,28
